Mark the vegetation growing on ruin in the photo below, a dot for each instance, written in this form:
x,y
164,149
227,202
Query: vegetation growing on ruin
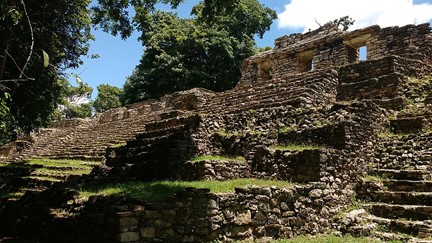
x,y
161,190
238,159
297,147
328,238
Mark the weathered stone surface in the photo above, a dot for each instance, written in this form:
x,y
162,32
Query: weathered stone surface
x,y
128,237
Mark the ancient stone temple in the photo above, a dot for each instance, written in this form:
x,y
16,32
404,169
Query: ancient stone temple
x,y
352,135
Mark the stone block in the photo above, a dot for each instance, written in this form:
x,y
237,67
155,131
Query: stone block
x,y
128,237
148,232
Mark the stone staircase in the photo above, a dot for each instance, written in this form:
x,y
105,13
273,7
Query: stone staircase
x,y
398,192
314,89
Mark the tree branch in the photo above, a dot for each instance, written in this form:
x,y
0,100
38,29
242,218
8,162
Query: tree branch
x,y
22,71
32,39
16,80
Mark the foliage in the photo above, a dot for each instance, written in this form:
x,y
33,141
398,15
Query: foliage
x,y
4,109
263,49
161,190
108,97
297,147
218,158
74,100
345,22
113,15
197,52
61,31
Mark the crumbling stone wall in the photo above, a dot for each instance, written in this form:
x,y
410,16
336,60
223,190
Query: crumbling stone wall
x,y
329,47
196,215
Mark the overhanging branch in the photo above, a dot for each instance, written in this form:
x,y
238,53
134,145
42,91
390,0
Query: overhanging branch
x,y
32,39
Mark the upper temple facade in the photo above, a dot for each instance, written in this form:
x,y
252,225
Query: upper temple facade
x,y
329,47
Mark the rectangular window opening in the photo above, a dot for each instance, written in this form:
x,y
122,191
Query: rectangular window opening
x,y
362,53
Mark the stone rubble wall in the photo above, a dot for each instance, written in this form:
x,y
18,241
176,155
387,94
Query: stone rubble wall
x,y
328,48
214,170
196,215
407,152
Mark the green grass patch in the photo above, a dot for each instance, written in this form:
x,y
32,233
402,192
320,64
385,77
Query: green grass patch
x,y
72,167
285,129
329,239
61,162
11,195
296,147
217,157
117,145
373,178
161,190
224,133
389,135
69,172
44,178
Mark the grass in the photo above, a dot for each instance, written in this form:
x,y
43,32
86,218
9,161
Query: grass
x,y
329,239
218,158
46,169
389,135
44,178
60,162
11,195
372,178
75,167
285,129
162,190
296,147
117,145
224,133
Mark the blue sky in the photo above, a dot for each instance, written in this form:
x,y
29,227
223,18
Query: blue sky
x,y
118,58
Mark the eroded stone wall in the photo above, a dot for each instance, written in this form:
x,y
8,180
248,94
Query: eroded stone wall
x,y
329,47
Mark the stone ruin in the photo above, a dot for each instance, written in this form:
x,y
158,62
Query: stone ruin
x,y
367,122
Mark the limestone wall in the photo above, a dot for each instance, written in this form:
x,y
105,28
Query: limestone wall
x,y
327,47
195,215
407,152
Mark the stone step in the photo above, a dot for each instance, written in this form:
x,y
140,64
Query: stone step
x,y
408,185
414,228
402,197
394,237
395,211
418,175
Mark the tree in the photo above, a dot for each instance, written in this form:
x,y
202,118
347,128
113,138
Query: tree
x,y
108,97
74,100
30,32
185,53
113,15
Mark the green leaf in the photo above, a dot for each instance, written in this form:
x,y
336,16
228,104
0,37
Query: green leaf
x,y
45,59
78,80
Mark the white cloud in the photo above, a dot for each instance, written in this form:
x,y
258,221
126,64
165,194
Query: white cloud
x,y
303,13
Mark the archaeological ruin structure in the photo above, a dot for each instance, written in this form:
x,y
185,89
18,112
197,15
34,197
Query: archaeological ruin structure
x,y
362,130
